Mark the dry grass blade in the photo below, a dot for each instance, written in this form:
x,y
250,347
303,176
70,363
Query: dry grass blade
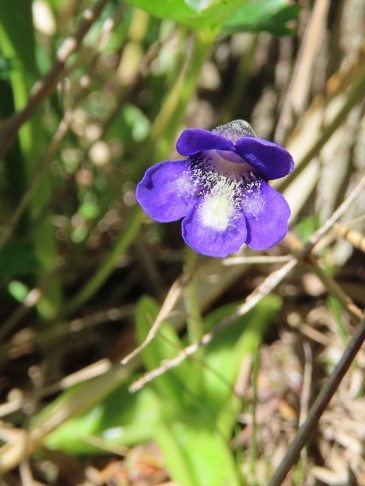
x,y
166,309
297,93
356,238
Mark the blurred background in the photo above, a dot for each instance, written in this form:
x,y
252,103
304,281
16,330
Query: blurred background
x,y
92,93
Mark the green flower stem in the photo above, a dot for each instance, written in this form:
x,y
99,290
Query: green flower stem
x,y
194,320
192,307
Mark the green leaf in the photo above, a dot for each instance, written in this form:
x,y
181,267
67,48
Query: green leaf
x,y
168,9
18,290
231,15
16,258
195,451
6,67
121,418
258,321
199,5
224,357
263,15
166,345
195,442
197,14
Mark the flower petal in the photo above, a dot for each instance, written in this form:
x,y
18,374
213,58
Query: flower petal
x,y
165,192
270,159
194,140
210,241
267,214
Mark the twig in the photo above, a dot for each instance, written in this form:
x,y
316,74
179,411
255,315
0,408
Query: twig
x,y
319,406
61,331
264,259
354,237
318,235
169,303
332,287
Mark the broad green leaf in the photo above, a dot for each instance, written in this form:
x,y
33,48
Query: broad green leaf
x,y
195,451
121,418
231,15
195,442
263,15
197,14
169,9
199,5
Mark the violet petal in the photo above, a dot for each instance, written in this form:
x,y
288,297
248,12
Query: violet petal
x,y
270,159
211,242
165,192
194,140
267,214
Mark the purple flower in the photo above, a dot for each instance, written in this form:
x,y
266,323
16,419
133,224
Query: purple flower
x,y
221,190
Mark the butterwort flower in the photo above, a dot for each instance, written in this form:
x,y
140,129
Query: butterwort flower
x,y
221,190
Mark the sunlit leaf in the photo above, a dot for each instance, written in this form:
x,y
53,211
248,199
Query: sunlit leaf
x,y
210,14
231,15
199,5
194,449
121,418
18,290
263,15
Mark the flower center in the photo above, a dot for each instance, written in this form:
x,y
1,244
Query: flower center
x,y
216,212
224,182
218,206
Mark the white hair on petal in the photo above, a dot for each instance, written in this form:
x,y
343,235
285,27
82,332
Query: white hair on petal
x,y
226,188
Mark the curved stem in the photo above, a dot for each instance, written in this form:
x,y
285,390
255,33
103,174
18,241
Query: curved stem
x,y
194,320
192,307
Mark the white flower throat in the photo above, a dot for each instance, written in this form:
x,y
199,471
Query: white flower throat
x,y
223,185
